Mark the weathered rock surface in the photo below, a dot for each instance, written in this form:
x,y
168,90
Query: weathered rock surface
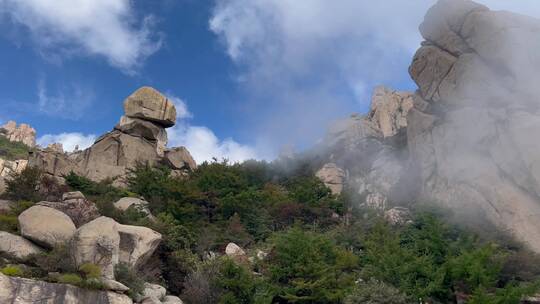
x,y
16,247
22,133
148,104
106,243
172,300
139,137
8,168
76,206
138,204
180,159
154,291
470,138
332,176
398,216
27,291
46,226
467,140
98,242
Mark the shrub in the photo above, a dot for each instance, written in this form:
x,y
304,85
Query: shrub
x,y
307,267
24,186
129,277
90,271
20,206
236,283
199,287
376,292
11,150
178,265
9,223
13,270
70,278
60,259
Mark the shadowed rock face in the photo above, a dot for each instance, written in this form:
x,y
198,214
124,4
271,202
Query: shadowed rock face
x,y
139,137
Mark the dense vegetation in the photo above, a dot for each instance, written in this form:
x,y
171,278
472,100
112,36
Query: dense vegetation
x,y
300,248
10,150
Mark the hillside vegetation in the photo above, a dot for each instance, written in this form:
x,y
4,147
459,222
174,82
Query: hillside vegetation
x,y
11,150
303,244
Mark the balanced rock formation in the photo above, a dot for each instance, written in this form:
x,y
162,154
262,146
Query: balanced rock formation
x,y
27,291
22,133
139,137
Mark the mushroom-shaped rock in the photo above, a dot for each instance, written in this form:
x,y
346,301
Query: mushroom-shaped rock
x,y
98,242
46,226
16,247
137,244
179,158
76,206
148,104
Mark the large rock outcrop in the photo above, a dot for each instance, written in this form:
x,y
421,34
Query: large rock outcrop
x,y
17,247
27,291
76,206
139,137
470,134
465,139
46,226
21,133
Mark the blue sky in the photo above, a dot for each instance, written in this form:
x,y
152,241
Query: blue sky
x,y
250,76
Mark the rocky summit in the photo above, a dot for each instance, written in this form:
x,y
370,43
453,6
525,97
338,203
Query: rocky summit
x,y
139,137
463,139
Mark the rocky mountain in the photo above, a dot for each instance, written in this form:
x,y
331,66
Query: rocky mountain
x,y
22,133
465,138
140,136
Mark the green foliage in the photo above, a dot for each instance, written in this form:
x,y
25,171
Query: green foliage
x,y
9,223
129,277
376,292
70,278
20,206
13,270
24,186
309,268
59,259
179,264
10,150
90,271
237,284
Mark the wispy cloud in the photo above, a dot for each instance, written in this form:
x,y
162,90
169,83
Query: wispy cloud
x,y
68,140
108,28
70,102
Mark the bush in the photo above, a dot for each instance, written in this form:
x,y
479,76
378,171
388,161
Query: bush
x,y
129,277
90,271
236,283
199,287
375,292
9,223
70,278
13,271
20,206
24,186
11,150
60,259
307,267
178,265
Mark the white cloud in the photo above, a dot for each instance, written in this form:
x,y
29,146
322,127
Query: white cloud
x,y
306,63
182,111
202,143
68,140
106,28
70,102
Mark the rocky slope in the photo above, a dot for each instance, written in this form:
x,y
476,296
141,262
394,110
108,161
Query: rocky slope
x,y
467,142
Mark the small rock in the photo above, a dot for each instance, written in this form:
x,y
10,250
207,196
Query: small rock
x,y
398,216
172,300
154,291
17,247
115,286
140,205
233,250
46,226
72,195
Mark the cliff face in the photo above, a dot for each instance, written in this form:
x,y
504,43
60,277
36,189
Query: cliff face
x,y
468,141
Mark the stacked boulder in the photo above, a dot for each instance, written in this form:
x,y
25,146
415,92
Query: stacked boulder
x,y
139,137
